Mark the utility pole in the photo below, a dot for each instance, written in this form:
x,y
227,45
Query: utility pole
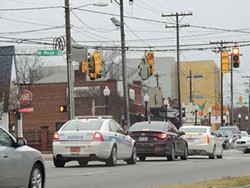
x,y
71,103
232,98
219,50
177,26
190,87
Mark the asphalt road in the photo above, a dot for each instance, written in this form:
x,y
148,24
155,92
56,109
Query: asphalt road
x,y
152,172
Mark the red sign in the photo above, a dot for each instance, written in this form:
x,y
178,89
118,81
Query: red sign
x,y
26,110
25,97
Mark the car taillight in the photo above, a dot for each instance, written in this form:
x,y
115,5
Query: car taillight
x,y
131,135
98,136
162,136
55,136
207,139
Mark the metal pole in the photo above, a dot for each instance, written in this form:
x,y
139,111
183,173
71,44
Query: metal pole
x,y
232,99
146,111
166,113
106,105
195,118
209,113
71,107
124,70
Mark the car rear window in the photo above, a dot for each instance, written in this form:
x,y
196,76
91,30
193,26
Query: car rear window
x,y
82,125
145,126
193,130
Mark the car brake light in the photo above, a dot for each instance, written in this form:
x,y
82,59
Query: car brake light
x,y
131,135
162,136
98,136
55,136
207,139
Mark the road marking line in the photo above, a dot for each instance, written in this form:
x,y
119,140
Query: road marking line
x,y
91,173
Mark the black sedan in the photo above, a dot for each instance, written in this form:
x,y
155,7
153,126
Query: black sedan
x,y
158,139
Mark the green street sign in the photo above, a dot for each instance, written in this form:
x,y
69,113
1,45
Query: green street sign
x,y
244,103
49,52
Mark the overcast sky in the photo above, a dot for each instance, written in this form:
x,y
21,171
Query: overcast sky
x,y
211,21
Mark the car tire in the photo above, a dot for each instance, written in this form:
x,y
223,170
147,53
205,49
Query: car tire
x,y
83,162
185,153
59,163
132,159
36,177
171,157
212,155
112,160
246,151
142,157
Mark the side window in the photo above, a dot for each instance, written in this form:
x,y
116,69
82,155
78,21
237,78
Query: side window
x,y
5,139
112,126
119,128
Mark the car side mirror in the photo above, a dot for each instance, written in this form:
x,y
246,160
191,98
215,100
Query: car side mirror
x,y
181,133
20,142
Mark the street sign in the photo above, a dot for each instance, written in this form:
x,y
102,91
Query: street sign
x,y
49,52
244,103
25,97
26,110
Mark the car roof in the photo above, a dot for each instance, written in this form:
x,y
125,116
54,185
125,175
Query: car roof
x,y
195,126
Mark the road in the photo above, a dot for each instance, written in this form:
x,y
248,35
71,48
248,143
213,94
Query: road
x,y
152,172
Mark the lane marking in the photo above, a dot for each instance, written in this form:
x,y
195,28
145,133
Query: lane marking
x,y
91,173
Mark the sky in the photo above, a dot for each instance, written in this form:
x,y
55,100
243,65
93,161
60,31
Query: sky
x,y
33,25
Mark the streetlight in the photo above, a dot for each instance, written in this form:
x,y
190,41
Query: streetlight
x,y
196,108
70,75
106,93
239,117
166,103
246,118
146,99
209,114
227,115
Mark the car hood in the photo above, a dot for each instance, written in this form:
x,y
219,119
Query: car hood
x,y
245,138
31,152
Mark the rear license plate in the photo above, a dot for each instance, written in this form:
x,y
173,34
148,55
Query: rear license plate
x,y
143,139
75,149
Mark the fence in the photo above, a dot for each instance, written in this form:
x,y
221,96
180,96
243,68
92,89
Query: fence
x,y
40,139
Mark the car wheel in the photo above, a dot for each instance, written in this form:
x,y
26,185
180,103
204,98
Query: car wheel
x,y
142,157
83,162
171,157
185,153
246,151
58,162
212,155
112,160
132,159
36,177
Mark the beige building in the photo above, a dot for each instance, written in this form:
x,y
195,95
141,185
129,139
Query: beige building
x,y
200,83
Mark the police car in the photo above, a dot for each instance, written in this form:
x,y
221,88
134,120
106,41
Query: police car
x,y
85,139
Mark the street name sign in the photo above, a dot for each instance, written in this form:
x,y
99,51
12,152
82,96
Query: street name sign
x,y
49,52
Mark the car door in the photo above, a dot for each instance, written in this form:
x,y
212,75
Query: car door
x,y
117,138
179,146
11,162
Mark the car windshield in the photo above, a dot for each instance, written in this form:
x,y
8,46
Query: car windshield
x,y
81,125
193,130
152,126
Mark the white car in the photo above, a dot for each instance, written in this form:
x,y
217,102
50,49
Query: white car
x,y
243,144
87,139
20,165
202,140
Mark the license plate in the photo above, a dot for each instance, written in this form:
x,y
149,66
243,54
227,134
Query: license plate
x,y
75,149
143,139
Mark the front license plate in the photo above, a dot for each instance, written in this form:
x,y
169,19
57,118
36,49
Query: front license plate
x,y
143,139
75,149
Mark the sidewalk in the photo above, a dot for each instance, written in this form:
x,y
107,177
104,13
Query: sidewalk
x,y
47,156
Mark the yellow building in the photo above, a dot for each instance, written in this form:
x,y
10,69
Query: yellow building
x,y
204,85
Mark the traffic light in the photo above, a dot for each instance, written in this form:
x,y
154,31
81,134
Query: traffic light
x,y
98,63
236,57
92,74
84,66
63,108
225,61
240,100
150,59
